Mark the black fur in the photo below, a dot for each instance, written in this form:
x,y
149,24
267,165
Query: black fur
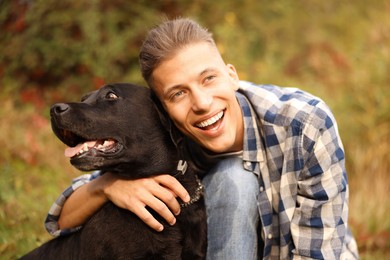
x,y
147,144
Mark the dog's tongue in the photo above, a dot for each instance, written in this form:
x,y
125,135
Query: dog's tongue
x,y
72,151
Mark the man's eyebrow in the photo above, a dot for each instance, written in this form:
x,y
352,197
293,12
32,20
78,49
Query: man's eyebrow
x,y
207,70
178,86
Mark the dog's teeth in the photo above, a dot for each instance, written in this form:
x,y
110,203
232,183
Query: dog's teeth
x,y
106,142
85,147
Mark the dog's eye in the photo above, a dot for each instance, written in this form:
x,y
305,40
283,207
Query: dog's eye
x,y
111,96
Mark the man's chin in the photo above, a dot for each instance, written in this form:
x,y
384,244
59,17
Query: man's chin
x,y
217,147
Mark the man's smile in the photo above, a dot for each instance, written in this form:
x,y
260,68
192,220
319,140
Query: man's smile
x,y
209,123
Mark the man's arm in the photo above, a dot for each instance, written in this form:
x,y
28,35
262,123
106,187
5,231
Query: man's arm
x,y
51,222
78,204
319,225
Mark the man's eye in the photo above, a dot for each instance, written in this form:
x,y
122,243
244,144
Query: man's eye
x,y
111,96
209,78
178,94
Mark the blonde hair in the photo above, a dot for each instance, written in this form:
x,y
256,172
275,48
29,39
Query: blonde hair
x,y
166,39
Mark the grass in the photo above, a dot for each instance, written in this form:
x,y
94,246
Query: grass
x,y
33,172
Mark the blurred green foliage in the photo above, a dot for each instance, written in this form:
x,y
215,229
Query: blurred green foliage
x,y
61,43
56,50
56,43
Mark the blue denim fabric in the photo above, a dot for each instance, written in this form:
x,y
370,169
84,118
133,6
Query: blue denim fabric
x,y
232,213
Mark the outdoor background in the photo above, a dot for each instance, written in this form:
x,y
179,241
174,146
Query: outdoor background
x,y
53,51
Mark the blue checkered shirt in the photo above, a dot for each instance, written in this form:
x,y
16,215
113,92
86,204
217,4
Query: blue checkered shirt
x,y
292,143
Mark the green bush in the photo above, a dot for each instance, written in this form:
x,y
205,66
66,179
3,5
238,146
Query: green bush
x,y
60,43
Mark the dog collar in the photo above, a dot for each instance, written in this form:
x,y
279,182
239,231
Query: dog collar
x,y
196,196
181,170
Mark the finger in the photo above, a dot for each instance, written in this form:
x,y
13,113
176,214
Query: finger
x,y
160,207
174,185
166,199
139,196
148,219
166,196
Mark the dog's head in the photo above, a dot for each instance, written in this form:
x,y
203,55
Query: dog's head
x,y
114,128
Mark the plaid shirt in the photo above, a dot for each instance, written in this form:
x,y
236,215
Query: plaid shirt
x,y
51,222
292,144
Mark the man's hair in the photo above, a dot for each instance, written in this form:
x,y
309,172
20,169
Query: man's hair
x,y
166,39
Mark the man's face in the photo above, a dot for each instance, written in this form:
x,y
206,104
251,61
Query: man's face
x,y
197,89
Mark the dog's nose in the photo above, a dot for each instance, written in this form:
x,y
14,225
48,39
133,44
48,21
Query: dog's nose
x,y
59,108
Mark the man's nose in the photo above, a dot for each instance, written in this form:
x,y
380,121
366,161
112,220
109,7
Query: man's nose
x,y
201,100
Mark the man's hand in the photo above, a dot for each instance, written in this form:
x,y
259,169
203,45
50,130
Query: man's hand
x,y
158,192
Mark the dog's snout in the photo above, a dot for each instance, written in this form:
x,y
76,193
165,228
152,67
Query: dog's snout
x,y
59,108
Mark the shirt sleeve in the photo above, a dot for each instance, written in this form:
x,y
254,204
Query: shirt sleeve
x,y
319,224
51,222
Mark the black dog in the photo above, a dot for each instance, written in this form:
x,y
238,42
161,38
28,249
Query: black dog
x,y
127,133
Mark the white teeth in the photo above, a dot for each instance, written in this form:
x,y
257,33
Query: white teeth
x,y
85,147
210,121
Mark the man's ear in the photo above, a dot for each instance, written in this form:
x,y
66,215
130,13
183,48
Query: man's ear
x,y
233,75
166,121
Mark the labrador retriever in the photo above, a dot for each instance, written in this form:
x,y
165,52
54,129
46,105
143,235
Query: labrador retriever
x,y
121,128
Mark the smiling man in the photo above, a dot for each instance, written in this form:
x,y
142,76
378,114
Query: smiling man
x,y
280,189
198,90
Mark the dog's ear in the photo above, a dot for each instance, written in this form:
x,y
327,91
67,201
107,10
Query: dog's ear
x,y
176,135
162,114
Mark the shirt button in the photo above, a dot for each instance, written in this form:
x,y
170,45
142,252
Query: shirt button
x,y
261,188
269,236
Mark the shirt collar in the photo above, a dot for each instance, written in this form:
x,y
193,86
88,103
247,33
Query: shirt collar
x,y
253,146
